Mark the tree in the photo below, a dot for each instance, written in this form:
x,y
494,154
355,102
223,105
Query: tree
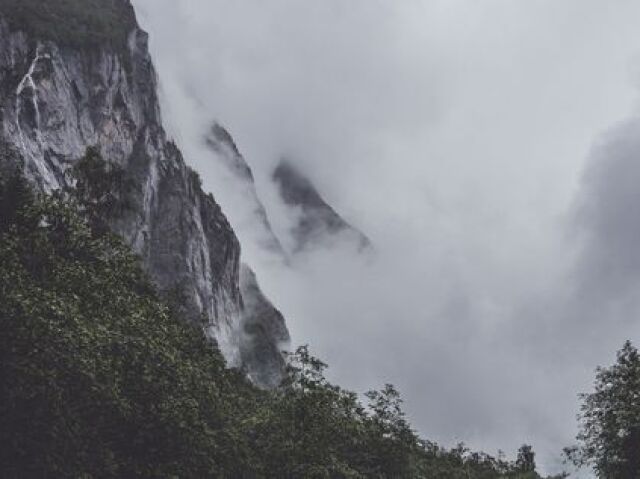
x,y
99,379
609,439
103,377
100,189
391,439
14,192
309,427
525,461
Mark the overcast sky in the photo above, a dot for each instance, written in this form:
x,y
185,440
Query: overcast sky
x,y
491,151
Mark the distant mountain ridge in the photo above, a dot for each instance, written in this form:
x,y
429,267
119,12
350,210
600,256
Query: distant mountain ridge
x,y
317,223
220,142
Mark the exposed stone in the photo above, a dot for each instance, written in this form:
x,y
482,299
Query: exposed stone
x,y
264,334
317,222
58,100
221,143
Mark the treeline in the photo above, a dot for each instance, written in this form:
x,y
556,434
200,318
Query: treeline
x,y
102,377
79,24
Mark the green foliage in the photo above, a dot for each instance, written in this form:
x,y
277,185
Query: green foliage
x,y
101,190
526,461
104,378
98,378
610,420
75,23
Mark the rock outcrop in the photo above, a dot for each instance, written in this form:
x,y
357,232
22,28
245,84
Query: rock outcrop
x,y
60,97
264,333
221,144
317,222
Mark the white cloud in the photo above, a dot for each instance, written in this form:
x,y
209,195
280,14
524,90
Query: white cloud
x,y
454,134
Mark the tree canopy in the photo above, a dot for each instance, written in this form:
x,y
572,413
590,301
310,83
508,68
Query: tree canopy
x,y
609,439
102,377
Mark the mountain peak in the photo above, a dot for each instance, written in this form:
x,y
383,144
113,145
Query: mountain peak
x,y
318,221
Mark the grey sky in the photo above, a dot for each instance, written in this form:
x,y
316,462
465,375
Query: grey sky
x,y
475,142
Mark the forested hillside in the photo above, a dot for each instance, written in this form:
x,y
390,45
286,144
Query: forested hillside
x,y
103,378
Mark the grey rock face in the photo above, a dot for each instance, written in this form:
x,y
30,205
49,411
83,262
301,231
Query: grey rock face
x,y
264,334
318,222
56,101
220,142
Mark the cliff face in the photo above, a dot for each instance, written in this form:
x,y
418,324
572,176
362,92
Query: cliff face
x,y
221,144
57,98
317,223
263,334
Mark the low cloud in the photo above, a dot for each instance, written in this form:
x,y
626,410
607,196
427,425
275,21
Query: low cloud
x,y
459,138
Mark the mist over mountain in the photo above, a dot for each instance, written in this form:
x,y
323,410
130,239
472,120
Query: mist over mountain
x,y
136,339
243,188
455,136
95,88
317,221
456,216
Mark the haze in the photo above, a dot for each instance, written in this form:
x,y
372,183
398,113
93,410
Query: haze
x,y
490,150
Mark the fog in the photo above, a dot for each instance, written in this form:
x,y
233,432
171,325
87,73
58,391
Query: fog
x,y
490,150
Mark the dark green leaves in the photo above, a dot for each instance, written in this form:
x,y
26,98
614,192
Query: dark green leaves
x,y
610,420
101,377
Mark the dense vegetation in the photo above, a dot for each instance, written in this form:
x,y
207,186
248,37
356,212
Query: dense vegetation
x,y
103,378
76,23
610,420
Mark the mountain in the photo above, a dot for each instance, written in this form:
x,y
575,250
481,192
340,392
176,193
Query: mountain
x,y
264,333
77,74
102,377
105,376
243,189
317,222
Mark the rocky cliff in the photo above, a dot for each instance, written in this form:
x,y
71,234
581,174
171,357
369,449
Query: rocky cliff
x,y
317,222
223,147
63,91
263,335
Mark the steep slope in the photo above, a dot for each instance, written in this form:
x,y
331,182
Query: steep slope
x,y
125,388
262,330
224,148
63,90
317,222
263,335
